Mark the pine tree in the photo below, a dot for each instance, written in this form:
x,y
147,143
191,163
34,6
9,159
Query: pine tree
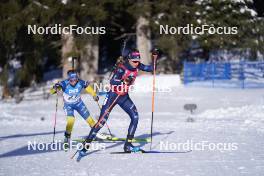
x,y
174,14
230,13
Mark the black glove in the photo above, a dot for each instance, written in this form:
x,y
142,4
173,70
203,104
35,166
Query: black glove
x,y
155,51
129,80
96,98
155,54
57,86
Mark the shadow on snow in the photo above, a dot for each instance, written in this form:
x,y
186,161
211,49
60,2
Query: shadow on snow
x,y
24,150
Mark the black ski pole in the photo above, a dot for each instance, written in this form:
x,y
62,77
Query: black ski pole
x,y
99,121
105,122
55,119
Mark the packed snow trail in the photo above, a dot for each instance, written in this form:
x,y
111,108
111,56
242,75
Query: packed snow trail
x,y
223,116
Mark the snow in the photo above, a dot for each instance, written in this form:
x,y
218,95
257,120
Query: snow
x,y
40,5
64,1
197,13
223,116
252,12
163,82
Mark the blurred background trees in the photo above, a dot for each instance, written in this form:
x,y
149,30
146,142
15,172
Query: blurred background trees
x,y
136,22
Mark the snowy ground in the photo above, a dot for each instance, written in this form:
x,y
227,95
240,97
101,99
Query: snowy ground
x,y
223,116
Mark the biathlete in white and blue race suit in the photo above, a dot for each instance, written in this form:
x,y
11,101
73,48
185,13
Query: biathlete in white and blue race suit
x,y
72,88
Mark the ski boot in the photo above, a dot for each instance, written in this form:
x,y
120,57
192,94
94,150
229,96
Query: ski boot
x,y
83,152
101,136
129,148
66,142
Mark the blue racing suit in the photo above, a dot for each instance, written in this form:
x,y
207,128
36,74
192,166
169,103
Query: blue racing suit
x,y
72,98
123,100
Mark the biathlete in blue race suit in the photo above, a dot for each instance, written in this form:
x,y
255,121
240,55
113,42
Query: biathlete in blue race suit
x,y
72,88
122,79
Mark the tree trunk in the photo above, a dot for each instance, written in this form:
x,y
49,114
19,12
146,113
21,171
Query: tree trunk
x,y
89,59
67,49
143,39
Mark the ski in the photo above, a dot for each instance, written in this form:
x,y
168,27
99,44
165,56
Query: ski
x,y
147,140
116,139
152,151
140,151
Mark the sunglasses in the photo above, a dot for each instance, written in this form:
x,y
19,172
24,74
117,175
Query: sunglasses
x,y
135,62
73,80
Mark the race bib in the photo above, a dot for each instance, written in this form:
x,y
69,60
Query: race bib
x,y
71,98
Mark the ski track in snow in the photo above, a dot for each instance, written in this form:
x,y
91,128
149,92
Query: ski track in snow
x,y
223,116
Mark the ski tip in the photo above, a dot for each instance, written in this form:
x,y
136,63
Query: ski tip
x,y
123,152
78,159
153,152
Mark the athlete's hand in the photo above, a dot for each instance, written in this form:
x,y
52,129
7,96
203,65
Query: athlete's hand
x,y
155,51
52,91
57,86
96,98
128,80
155,55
